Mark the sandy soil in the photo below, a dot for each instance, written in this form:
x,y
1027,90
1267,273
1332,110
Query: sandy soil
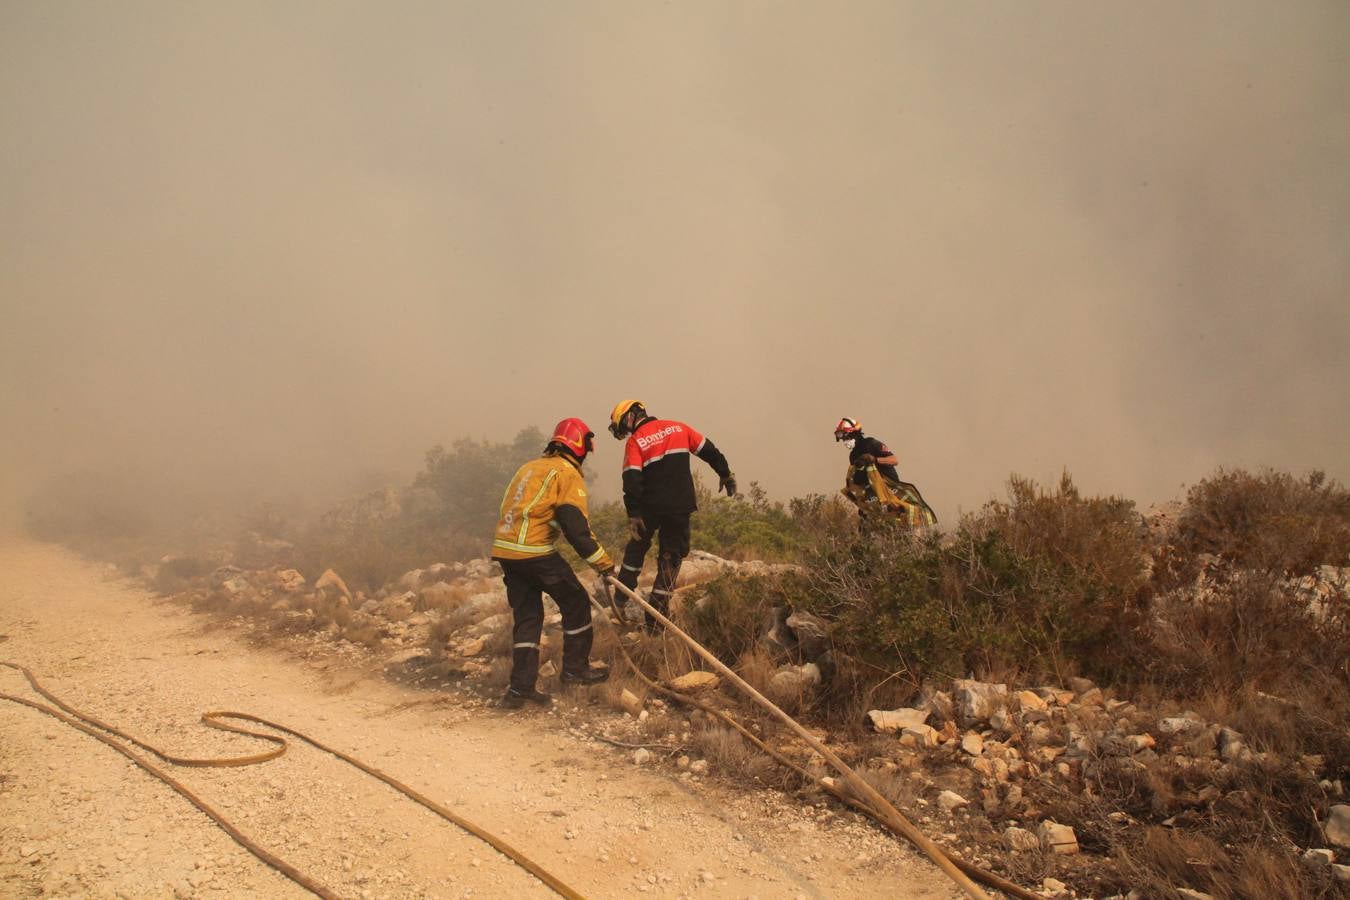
x,y
77,819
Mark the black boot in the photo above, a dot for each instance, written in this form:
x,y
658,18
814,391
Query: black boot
x,y
590,675
515,699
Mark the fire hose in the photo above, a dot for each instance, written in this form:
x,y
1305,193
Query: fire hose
x,y
101,731
864,797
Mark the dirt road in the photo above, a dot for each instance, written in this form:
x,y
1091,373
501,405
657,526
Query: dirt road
x,y
77,819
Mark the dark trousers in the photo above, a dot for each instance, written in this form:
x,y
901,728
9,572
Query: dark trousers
x,y
671,533
527,580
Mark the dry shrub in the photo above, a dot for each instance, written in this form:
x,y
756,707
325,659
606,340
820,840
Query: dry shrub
x,y
1165,859
443,600
725,750
757,669
499,672
1261,660
498,643
730,613
893,784
1271,521
659,725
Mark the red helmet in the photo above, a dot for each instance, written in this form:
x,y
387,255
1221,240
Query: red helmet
x,y
574,436
846,429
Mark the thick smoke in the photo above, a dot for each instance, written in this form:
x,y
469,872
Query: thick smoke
x,y
280,250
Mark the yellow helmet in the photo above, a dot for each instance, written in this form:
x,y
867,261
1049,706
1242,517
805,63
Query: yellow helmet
x,y
620,412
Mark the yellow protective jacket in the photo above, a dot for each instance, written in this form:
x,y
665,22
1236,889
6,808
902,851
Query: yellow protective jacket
x,y
545,500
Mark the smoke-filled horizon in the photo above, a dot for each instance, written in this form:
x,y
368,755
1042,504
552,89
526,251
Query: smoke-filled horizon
x,y
282,249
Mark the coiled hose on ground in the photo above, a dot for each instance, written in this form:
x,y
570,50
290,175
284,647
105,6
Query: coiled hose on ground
x,y
101,731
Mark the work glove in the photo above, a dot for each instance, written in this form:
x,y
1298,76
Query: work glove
x,y
606,572
637,529
866,459
727,483
605,590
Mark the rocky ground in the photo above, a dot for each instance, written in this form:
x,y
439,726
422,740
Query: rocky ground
x,y
981,767
78,820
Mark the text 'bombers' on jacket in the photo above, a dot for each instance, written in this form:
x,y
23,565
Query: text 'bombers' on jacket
x,y
547,499
656,475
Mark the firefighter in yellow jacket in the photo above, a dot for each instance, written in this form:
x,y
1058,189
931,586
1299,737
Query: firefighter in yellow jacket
x,y
545,500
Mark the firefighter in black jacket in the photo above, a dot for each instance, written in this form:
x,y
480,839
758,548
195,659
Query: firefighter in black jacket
x,y
658,493
873,482
545,500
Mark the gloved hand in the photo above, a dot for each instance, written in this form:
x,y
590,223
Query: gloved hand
x,y
866,459
605,590
637,528
606,572
728,484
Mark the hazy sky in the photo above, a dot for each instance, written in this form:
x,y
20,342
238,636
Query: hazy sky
x,y
261,243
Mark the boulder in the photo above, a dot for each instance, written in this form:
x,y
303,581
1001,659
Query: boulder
x,y
889,721
972,743
631,703
1180,725
950,800
291,581
1092,697
1081,685
1029,701
694,682
1057,838
1138,742
399,607
775,635
1019,840
492,624
701,566
331,583
790,682
1337,825
1053,887
234,587
919,736
1319,858
811,633
939,704
438,572
223,574
1055,696
481,568
977,700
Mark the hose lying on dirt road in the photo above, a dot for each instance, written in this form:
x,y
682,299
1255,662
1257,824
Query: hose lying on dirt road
x,y
865,798
90,726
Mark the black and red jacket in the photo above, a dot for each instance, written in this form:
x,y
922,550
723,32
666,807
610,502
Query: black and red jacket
x,y
656,476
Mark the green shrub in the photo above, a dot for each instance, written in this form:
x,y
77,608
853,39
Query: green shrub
x,y
447,514
1045,582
